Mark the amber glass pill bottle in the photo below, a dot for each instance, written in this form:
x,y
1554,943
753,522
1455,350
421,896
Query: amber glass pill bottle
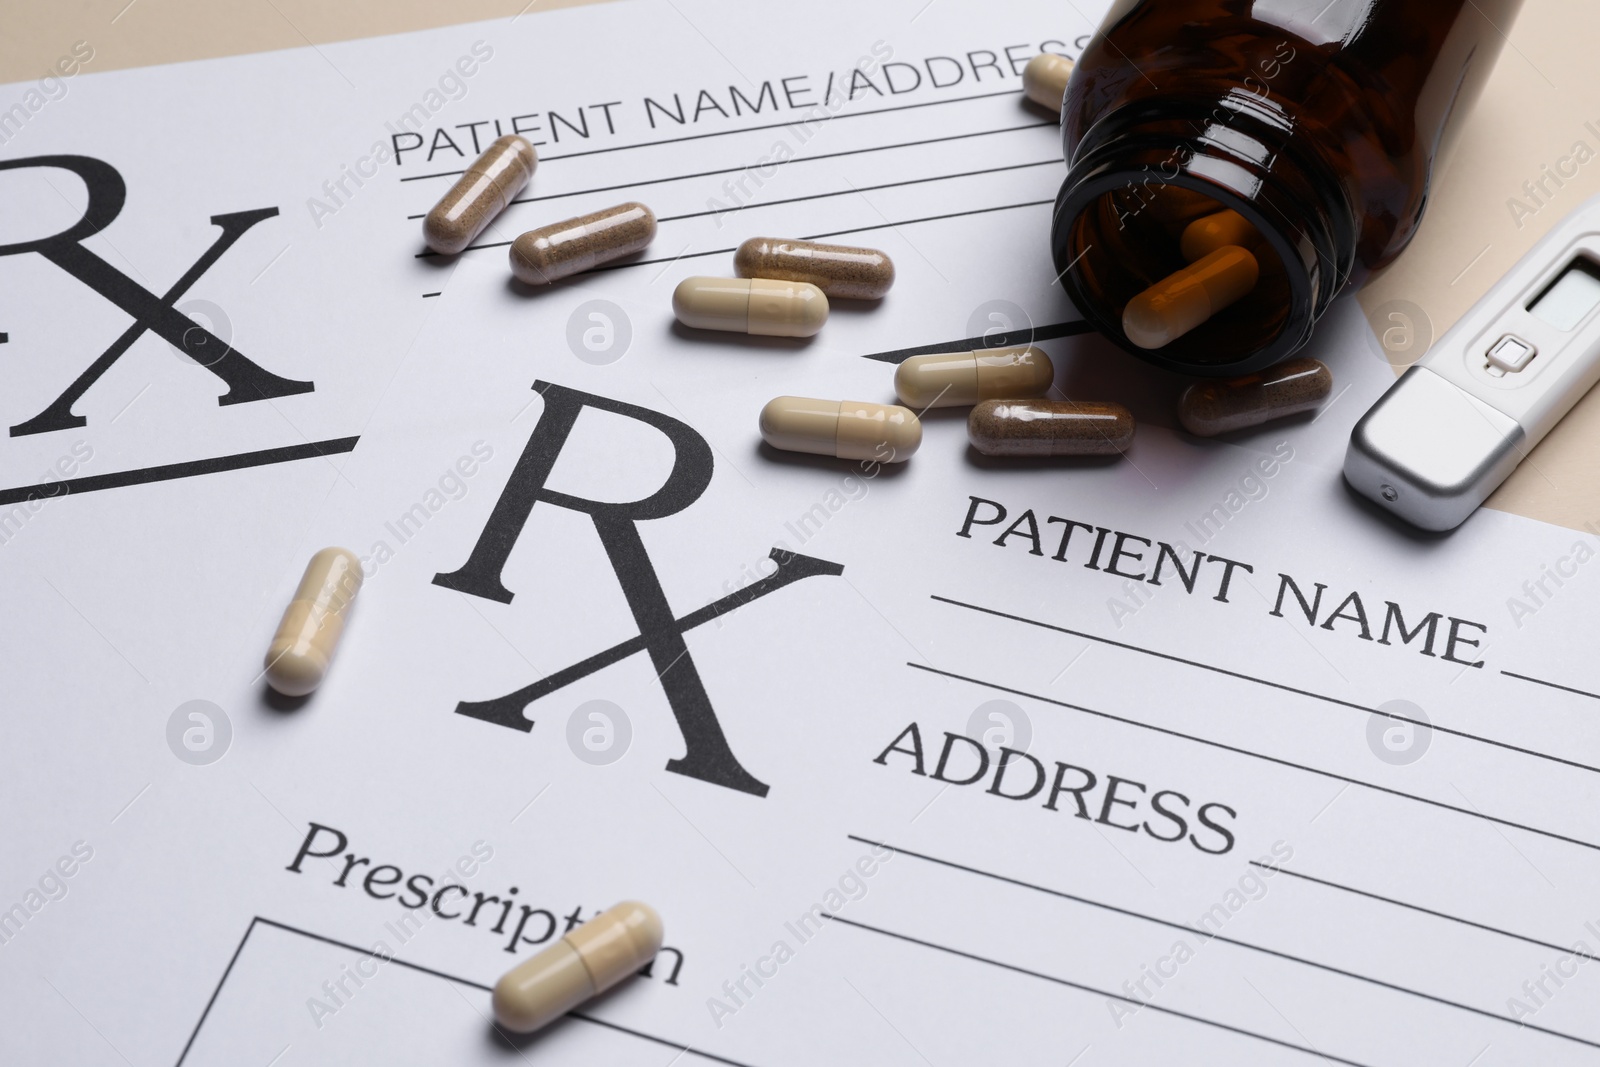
x,y
1320,123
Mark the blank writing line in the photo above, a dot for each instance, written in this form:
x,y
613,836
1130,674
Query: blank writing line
x,y
742,129
1552,685
1097,992
1257,755
785,163
1419,908
1275,685
1217,937
1024,336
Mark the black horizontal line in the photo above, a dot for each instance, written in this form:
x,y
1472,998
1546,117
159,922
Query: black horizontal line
x,y
1024,336
805,237
1424,911
1208,936
784,163
859,189
169,471
1258,755
426,295
1552,685
1108,994
679,1046
743,129
1508,746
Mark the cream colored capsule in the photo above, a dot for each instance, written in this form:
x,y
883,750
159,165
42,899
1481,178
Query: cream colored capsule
x,y
848,429
1204,236
298,658
838,270
1049,428
586,962
758,306
480,194
1295,385
955,379
1044,79
1180,302
560,249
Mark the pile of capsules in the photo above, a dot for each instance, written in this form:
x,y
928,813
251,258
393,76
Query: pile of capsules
x,y
782,290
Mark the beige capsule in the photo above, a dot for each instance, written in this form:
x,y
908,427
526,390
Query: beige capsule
x,y
1181,301
560,249
955,379
838,270
1206,235
586,962
480,194
301,650
758,306
1295,385
1044,79
847,429
1049,428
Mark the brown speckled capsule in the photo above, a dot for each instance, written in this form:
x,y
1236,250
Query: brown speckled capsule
x,y
1209,408
552,252
480,194
1049,428
838,270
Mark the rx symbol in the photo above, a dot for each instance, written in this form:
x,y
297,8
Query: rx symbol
x,y
107,193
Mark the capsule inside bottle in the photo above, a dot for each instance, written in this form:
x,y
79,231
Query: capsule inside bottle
x,y
302,649
838,270
1289,388
1206,235
956,379
487,187
760,306
1181,301
1049,428
846,429
583,964
563,249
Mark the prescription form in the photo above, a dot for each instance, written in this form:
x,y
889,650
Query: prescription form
x,y
1095,761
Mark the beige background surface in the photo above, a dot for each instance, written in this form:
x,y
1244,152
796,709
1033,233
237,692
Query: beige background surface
x,y
1545,89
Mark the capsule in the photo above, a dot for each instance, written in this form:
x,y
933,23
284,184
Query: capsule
x,y
1180,302
1044,79
480,194
838,270
586,962
560,249
758,306
1206,235
1209,408
298,658
1049,428
848,429
955,379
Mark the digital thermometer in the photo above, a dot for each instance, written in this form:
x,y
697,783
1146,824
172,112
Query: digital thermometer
x,y
1459,421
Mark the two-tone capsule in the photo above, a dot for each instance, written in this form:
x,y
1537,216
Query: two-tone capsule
x,y
761,306
583,964
846,429
1049,428
488,185
1044,79
562,249
301,650
956,379
1209,408
1180,302
838,270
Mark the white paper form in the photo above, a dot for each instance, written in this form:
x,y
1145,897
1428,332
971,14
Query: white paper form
x,y
1421,909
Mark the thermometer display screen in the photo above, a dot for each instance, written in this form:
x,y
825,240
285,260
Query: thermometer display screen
x,y
1571,297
